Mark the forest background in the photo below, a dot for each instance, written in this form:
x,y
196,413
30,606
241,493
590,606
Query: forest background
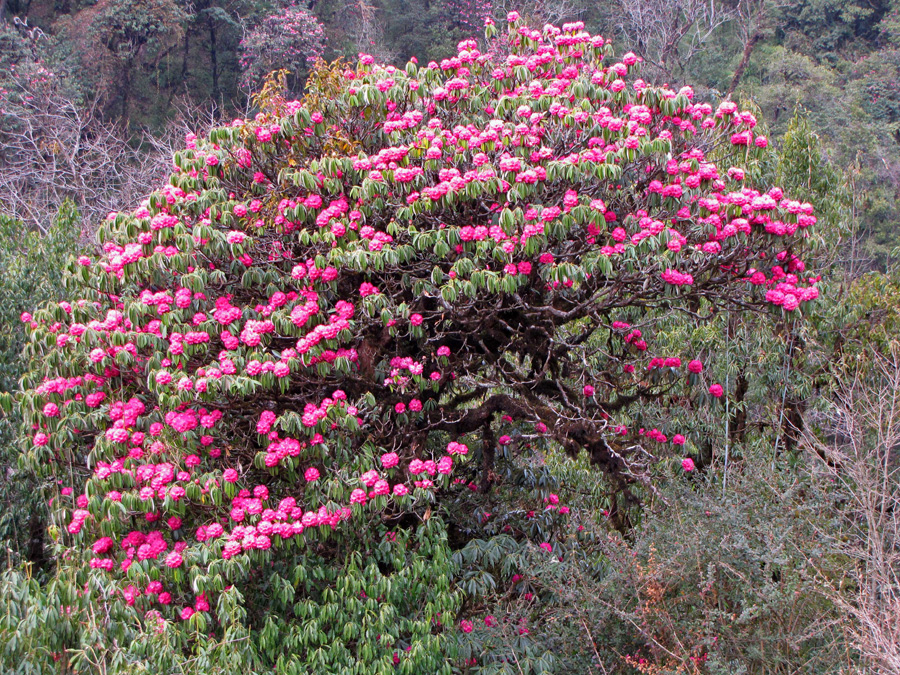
x,y
147,68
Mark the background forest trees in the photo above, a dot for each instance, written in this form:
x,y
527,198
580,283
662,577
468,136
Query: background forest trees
x,y
140,65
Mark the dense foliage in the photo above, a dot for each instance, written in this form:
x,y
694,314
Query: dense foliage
x,y
31,271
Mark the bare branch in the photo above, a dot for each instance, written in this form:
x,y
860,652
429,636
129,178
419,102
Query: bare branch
x,y
860,455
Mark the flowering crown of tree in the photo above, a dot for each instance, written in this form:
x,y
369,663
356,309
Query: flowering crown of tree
x,y
341,311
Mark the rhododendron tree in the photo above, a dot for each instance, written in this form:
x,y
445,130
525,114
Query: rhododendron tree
x,y
340,317
291,38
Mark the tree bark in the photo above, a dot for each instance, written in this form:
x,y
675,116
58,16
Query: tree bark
x,y
35,552
214,59
794,406
488,455
184,58
126,93
792,428
738,422
745,60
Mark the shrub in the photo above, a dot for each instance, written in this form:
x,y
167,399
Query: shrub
x,y
31,270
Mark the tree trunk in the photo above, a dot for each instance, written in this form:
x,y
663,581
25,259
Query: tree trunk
x,y
738,422
618,517
35,552
184,58
794,406
487,456
745,60
126,91
792,428
705,454
214,61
